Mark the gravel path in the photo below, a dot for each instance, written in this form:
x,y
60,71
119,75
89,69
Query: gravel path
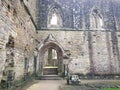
x,y
45,85
56,84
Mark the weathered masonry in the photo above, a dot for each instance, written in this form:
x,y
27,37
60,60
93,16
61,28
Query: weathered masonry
x,y
57,37
86,30
17,41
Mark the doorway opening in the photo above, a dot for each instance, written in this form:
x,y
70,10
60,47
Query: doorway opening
x,y
51,56
50,62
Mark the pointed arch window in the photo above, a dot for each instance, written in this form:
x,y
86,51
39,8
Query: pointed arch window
x,y
54,18
96,19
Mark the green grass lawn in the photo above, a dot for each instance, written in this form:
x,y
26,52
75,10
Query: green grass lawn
x,y
111,89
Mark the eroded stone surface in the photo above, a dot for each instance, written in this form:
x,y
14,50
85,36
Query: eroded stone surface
x,y
15,22
91,49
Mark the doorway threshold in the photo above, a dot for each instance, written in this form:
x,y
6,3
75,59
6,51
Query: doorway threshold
x,y
51,77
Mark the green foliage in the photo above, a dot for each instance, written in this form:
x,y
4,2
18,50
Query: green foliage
x,y
111,89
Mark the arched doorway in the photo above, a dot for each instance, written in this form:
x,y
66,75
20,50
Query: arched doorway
x,y
51,59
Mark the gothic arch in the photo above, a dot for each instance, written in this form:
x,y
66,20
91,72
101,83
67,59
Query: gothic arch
x,y
51,45
96,19
54,12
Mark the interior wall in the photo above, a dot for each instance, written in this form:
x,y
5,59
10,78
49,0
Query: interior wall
x,y
86,54
15,22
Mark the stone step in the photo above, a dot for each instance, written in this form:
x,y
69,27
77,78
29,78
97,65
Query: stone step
x,y
50,77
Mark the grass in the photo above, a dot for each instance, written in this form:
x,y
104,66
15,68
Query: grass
x,y
111,89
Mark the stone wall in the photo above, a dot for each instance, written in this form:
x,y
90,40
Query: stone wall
x,y
91,51
76,13
32,8
16,23
96,51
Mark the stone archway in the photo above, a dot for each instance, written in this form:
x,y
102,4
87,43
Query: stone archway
x,y
52,65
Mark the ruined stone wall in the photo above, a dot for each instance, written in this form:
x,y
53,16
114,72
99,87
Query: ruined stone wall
x,y
76,13
32,8
15,23
91,51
